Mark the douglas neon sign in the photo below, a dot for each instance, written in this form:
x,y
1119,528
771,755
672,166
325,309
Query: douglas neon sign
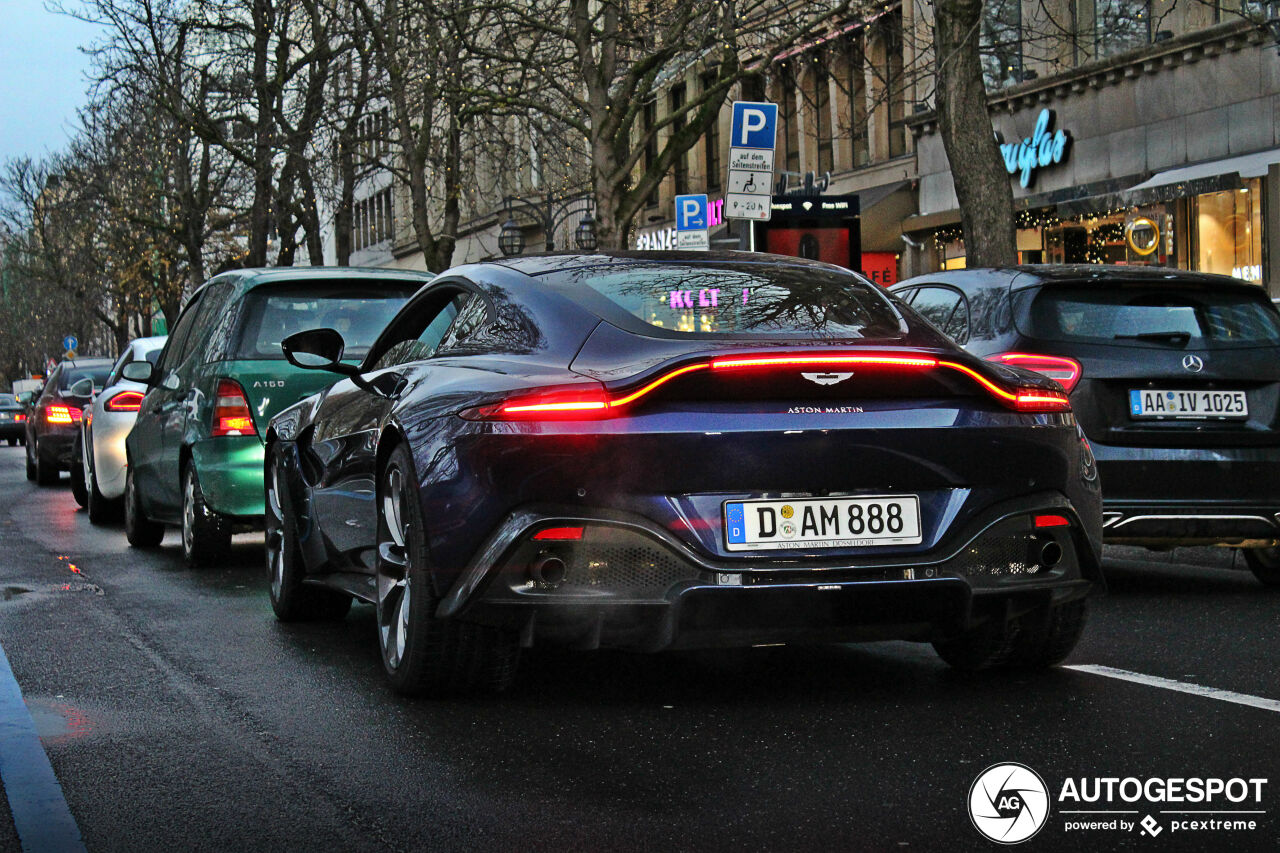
x,y
1044,147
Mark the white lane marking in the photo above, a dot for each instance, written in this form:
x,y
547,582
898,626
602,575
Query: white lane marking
x,y
40,813
1180,686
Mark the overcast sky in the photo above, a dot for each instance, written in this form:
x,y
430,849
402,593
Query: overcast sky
x,y
41,77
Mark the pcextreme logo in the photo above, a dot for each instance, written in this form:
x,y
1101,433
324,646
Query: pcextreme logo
x,y
1008,803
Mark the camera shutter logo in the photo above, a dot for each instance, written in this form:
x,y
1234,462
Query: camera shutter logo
x,y
1008,803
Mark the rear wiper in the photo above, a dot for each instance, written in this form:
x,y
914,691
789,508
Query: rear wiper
x,y
1171,337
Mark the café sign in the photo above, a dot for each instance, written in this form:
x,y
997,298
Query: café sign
x,y
1044,147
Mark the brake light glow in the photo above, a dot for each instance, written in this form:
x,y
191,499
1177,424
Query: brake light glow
x,y
1052,521
125,401
231,414
824,361
1066,371
559,534
20,417
596,402
58,414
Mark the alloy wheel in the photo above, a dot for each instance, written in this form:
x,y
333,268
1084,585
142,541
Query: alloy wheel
x,y
394,560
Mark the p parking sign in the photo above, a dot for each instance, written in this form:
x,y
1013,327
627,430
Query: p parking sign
x,y
755,125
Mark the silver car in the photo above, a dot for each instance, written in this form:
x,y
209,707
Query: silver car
x,y
106,422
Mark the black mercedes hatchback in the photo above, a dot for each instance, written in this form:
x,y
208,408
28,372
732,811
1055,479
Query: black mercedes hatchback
x,y
1173,375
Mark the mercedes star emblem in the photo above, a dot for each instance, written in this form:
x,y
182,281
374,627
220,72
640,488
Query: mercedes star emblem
x,y
1194,363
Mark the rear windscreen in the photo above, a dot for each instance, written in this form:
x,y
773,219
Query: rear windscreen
x,y
358,313
73,375
737,299
1145,316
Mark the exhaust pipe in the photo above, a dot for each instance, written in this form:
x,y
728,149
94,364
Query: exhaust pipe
x,y
548,568
1050,555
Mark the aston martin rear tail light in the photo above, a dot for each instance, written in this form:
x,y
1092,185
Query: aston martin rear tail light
x,y
559,534
58,414
588,402
231,414
125,401
1066,371
1052,521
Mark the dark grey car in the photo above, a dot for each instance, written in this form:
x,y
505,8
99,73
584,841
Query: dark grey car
x,y
1173,375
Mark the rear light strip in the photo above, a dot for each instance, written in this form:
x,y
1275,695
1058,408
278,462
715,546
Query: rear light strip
x,y
573,403
1066,371
125,401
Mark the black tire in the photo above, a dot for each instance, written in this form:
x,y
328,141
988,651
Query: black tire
x,y
12,442
1265,564
31,464
78,488
1033,640
291,599
206,535
101,509
141,531
422,654
47,472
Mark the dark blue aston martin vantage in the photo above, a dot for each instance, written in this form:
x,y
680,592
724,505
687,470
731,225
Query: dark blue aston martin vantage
x,y
652,451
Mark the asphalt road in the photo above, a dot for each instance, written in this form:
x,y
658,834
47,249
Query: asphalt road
x,y
177,714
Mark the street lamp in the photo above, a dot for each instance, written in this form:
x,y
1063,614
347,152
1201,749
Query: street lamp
x,y
550,214
511,239
585,234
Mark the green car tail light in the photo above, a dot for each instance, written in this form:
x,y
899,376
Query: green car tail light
x,y
231,413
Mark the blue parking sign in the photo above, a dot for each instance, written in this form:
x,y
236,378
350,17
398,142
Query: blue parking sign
x,y
691,212
755,125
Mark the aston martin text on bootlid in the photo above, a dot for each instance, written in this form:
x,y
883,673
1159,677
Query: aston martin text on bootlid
x,y
654,451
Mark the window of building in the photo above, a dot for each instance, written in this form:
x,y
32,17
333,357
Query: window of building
x,y
372,220
857,89
821,104
650,147
712,142
790,120
1120,25
897,86
1002,43
681,166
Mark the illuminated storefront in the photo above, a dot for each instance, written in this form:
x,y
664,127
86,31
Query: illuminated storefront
x,y
1106,168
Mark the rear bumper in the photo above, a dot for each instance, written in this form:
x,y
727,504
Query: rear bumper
x,y
1191,496
107,435
12,429
632,587
58,446
230,473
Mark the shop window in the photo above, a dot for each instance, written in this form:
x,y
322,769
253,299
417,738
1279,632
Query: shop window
x,y
1228,231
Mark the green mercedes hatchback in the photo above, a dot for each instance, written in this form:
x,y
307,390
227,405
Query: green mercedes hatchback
x,y
194,456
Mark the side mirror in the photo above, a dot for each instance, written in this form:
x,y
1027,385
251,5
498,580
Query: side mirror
x,y
317,349
139,371
81,388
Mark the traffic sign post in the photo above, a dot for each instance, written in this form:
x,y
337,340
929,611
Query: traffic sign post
x,y
70,342
692,223
752,139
